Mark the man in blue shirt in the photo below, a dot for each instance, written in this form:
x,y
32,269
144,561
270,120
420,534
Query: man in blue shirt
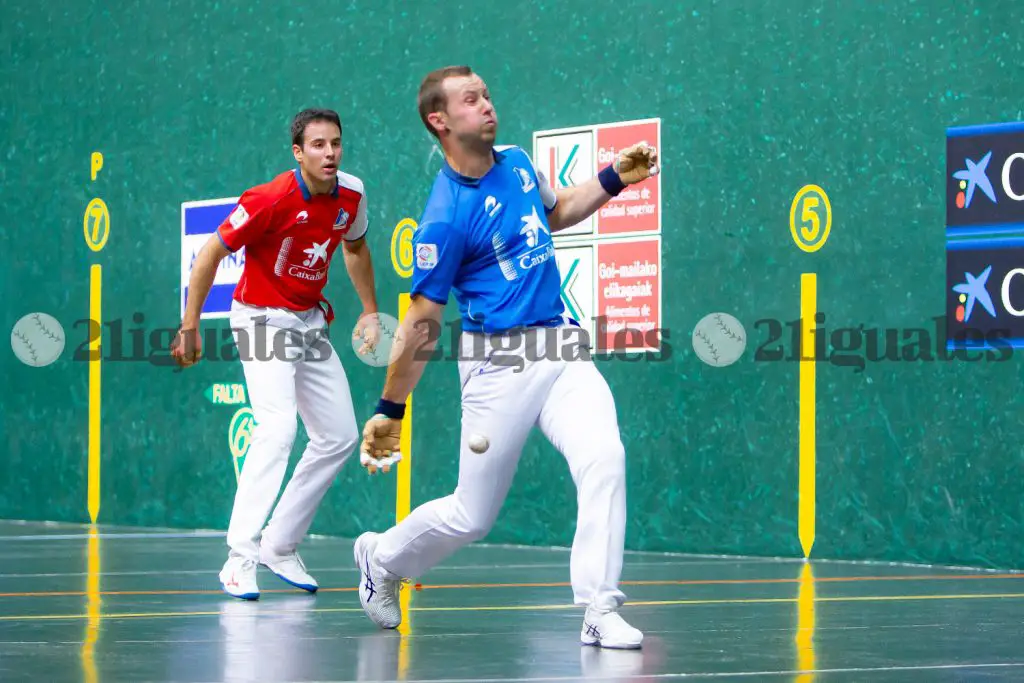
x,y
485,237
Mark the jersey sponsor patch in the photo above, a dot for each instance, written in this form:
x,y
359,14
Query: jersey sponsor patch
x,y
341,222
239,216
524,179
426,256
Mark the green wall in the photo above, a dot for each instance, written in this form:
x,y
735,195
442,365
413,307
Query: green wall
x,y
916,461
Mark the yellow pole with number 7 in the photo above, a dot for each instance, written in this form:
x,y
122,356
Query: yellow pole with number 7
x,y
96,227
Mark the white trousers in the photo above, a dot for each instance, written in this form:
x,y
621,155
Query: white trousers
x,y
290,367
572,405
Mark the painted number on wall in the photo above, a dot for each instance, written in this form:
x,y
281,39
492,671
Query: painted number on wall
x,y
810,218
401,247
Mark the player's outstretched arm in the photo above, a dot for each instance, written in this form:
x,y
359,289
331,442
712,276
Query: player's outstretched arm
x,y
632,165
187,347
576,203
414,344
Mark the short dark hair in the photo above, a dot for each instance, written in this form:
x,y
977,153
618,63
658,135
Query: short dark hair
x,y
432,97
308,116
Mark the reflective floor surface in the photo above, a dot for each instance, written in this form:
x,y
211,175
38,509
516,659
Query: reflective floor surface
x,y
140,605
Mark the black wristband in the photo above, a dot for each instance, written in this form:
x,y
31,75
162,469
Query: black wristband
x,y
396,411
610,181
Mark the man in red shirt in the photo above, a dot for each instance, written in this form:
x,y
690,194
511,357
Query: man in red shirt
x,y
290,228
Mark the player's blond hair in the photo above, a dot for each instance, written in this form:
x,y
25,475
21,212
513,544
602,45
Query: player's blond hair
x,y
432,97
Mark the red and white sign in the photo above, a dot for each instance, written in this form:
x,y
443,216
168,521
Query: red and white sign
x,y
610,263
637,209
628,315
570,156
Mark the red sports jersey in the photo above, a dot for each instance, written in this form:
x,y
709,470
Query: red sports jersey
x,y
289,237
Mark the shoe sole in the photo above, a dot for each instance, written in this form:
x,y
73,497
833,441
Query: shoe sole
x,y
304,586
599,644
241,596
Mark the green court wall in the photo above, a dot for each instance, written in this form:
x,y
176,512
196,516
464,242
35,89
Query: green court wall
x,y
915,461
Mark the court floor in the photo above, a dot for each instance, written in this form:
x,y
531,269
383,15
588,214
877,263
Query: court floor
x,y
144,605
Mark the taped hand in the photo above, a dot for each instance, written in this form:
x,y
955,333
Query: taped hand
x,y
636,163
379,449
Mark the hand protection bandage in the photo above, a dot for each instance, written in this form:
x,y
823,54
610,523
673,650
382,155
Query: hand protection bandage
x,y
381,438
636,163
373,464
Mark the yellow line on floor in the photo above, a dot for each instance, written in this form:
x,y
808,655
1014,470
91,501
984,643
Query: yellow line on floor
x,y
522,608
552,584
845,598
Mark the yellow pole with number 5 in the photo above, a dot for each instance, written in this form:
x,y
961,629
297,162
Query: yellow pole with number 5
x,y
810,222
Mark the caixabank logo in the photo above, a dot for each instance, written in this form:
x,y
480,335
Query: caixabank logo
x,y
985,176
985,293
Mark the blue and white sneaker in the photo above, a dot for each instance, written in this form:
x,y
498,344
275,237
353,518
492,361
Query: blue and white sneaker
x,y
378,593
290,569
238,578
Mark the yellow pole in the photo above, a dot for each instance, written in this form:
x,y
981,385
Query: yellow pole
x,y
403,499
95,355
403,505
96,229
808,309
401,259
810,222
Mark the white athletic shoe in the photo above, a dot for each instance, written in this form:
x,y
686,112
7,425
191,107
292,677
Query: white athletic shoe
x,y
377,594
290,569
238,578
609,630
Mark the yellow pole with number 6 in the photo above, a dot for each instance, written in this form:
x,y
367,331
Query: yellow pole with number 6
x,y
401,260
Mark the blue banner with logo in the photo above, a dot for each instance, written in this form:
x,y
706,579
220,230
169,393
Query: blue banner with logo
x,y
985,235
985,306
199,221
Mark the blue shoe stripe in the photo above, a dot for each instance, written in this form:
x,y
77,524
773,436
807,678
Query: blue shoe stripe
x,y
303,586
243,596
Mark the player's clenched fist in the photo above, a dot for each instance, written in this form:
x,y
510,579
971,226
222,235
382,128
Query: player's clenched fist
x,y
187,347
636,163
381,437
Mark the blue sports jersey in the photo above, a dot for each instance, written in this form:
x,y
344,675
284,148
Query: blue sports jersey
x,y
487,241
